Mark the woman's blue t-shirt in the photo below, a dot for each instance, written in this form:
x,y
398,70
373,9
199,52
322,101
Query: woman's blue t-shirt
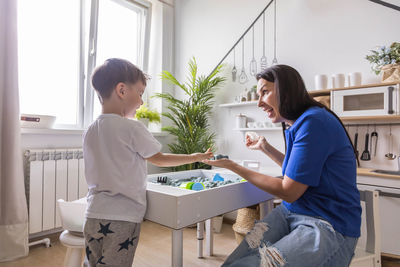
x,y
320,155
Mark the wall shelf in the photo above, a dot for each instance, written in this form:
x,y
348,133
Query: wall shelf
x,y
240,104
394,118
328,91
258,129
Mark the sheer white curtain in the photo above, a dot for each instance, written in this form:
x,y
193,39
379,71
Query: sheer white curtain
x,y
13,208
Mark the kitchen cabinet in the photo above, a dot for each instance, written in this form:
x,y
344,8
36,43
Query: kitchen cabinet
x,y
389,206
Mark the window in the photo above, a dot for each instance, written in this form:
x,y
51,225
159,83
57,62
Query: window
x,y
59,43
119,35
48,52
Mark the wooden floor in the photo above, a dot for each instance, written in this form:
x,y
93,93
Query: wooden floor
x,y
154,249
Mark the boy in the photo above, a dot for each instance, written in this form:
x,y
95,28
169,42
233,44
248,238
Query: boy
x,y
115,150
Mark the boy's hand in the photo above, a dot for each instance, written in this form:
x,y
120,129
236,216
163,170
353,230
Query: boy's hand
x,y
202,156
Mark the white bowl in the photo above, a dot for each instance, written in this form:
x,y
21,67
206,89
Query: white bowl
x,y
267,124
251,124
260,124
37,121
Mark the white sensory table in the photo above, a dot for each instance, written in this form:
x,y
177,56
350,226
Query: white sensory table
x,y
177,208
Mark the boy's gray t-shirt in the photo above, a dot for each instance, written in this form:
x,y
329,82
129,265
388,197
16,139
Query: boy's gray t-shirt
x,y
114,152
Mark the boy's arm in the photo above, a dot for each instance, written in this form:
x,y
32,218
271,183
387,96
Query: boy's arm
x,y
169,160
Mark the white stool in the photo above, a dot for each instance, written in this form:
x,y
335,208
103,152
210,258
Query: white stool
x,y
75,248
72,219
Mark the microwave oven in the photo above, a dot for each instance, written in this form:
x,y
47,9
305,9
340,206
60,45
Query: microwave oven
x,y
371,101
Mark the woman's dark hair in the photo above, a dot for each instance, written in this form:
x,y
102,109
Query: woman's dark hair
x,y
292,96
113,71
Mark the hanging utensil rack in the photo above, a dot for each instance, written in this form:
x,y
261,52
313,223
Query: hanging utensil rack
x,y
242,36
371,124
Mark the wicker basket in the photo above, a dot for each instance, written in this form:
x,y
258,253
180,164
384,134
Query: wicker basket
x,y
391,73
245,222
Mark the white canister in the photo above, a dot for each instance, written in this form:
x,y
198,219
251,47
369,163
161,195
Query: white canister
x,y
254,96
354,79
241,121
321,81
338,80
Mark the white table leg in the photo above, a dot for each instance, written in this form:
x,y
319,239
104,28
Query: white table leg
x,y
177,248
200,237
209,238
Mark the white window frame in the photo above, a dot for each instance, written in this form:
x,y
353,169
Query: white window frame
x,y
86,93
143,46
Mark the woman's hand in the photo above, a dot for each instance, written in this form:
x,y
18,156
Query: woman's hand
x,y
202,156
256,144
222,163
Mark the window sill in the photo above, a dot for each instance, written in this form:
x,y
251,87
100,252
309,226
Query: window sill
x,y
42,131
51,131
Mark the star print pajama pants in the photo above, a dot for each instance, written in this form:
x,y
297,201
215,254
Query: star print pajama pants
x,y
110,243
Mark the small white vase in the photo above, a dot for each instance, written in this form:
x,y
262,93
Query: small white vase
x,y
145,121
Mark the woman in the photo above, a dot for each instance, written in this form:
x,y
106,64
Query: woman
x,y
318,223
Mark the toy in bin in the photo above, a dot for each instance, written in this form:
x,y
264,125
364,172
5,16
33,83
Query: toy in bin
x,y
192,186
218,177
220,156
162,179
197,186
187,185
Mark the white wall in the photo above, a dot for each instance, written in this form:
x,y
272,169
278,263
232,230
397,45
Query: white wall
x,y
314,36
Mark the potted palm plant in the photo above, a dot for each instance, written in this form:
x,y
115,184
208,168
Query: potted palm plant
x,y
189,116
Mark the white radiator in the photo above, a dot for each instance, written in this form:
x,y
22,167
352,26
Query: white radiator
x,y
51,174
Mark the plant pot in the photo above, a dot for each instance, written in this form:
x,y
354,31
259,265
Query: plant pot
x,y
145,121
391,73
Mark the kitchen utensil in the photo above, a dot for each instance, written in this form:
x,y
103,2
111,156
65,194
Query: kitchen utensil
x,y
253,62
354,79
355,142
263,60
251,124
374,141
321,81
241,120
338,80
390,155
243,77
234,70
366,155
274,61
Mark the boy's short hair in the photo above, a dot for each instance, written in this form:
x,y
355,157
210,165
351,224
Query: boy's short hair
x,y
113,71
